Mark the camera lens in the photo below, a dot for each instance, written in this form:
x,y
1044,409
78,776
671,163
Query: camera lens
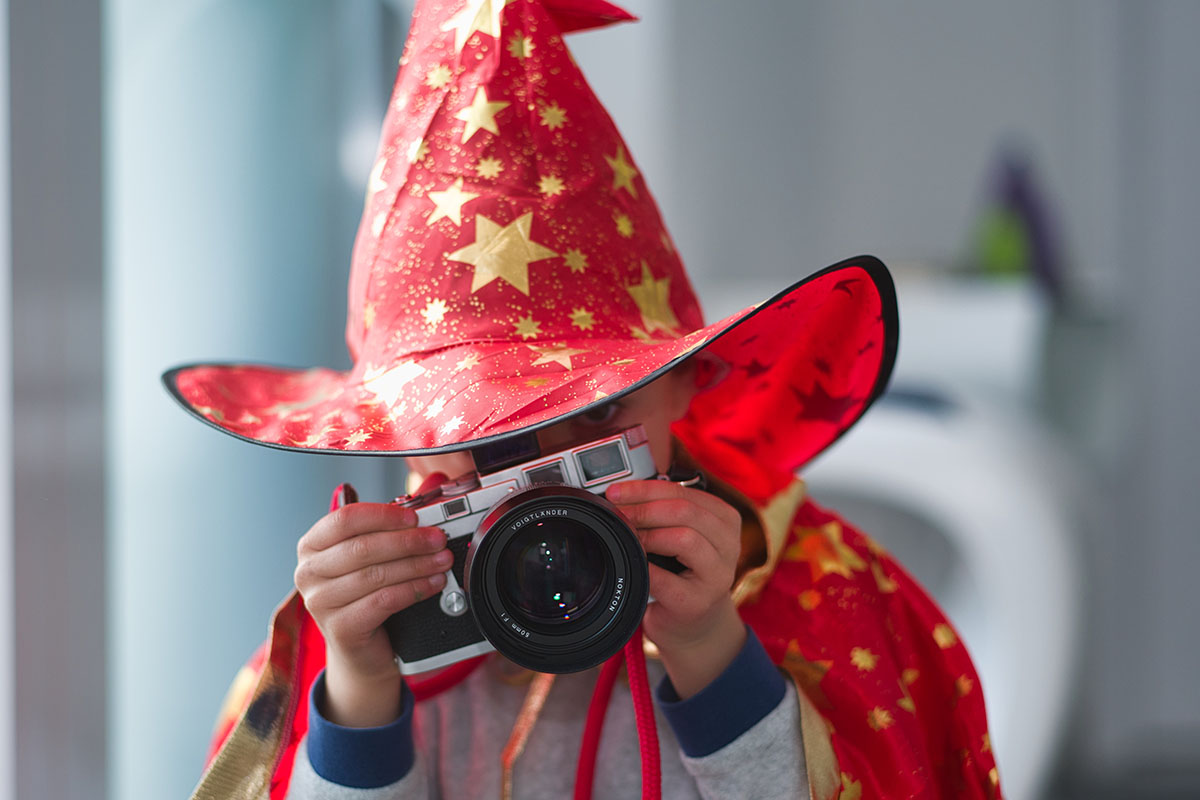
x,y
557,579
554,571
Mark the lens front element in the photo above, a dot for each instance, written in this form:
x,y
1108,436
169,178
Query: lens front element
x,y
553,571
557,579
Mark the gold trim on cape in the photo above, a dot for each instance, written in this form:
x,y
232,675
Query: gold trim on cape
x,y
243,767
820,762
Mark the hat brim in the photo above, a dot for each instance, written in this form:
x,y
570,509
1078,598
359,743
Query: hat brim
x,y
803,366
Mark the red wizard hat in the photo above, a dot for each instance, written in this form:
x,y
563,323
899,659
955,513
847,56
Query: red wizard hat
x,y
511,270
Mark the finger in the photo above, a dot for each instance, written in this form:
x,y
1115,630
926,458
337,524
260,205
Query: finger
x,y
691,549
368,549
346,589
362,617
675,593
351,520
647,491
681,512
670,512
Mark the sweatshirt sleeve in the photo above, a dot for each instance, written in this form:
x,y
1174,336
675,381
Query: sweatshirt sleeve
x,y
339,763
740,735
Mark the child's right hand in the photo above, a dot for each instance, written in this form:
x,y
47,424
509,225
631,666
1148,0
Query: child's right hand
x,y
355,567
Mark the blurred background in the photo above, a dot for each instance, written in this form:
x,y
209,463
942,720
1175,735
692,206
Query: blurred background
x,y
182,181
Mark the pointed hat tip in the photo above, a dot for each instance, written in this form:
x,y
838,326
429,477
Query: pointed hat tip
x,y
582,15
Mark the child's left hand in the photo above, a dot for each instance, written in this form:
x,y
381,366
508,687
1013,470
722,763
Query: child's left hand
x,y
693,620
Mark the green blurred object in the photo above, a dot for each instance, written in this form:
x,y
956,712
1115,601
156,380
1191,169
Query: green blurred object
x,y
1016,235
1002,246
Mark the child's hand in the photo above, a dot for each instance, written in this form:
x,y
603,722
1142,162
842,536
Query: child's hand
x,y
356,567
693,620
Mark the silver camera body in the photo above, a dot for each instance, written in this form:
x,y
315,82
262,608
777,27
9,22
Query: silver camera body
x,y
545,569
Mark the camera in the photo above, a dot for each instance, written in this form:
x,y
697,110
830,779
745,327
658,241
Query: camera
x,y
546,571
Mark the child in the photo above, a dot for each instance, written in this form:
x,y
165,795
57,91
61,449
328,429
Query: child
x,y
512,274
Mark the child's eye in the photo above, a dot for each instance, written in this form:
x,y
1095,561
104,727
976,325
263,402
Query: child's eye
x,y
600,414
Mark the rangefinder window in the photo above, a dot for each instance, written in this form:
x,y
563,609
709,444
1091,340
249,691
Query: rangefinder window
x,y
496,456
602,463
455,508
547,473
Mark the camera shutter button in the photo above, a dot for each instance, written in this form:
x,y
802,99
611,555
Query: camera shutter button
x,y
454,602
462,485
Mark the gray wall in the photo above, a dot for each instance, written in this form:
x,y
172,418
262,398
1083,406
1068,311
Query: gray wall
x,y
58,546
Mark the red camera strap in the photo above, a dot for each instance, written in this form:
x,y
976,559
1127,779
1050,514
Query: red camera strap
x,y
634,657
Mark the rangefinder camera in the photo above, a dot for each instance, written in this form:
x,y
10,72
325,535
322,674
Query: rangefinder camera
x,y
546,571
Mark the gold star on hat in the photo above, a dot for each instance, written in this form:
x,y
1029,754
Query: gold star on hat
x,y
503,252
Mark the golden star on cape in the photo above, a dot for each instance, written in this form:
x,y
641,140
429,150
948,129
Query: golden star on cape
x,y
386,385
502,252
480,115
824,551
879,718
863,658
943,634
653,301
623,172
559,354
449,202
478,15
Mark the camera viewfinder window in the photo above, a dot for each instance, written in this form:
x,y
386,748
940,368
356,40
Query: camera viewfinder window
x,y
455,508
603,462
548,473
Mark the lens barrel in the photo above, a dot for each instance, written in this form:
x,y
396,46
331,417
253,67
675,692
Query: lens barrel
x,y
557,579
